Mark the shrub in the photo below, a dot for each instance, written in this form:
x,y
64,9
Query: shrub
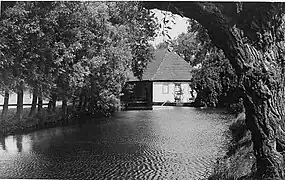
x,y
236,108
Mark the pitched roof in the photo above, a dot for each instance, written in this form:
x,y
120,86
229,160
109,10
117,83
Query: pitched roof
x,y
166,65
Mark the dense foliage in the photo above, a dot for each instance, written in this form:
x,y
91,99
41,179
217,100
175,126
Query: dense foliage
x,y
214,80
74,50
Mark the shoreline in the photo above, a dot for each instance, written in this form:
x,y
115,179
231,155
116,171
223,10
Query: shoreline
x,y
44,120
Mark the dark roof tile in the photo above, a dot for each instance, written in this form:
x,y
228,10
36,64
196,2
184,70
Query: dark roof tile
x,y
166,65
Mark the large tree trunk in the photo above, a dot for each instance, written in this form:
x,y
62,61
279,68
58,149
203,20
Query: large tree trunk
x,y
73,103
64,108
19,142
80,103
34,105
20,102
85,103
40,104
54,98
265,120
269,162
5,105
49,106
6,95
2,143
52,103
251,36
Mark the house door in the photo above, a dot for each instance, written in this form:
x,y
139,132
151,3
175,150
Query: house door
x,y
178,93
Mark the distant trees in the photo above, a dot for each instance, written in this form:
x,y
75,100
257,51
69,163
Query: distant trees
x,y
214,80
72,51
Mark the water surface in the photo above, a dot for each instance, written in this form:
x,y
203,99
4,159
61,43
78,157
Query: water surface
x,y
166,143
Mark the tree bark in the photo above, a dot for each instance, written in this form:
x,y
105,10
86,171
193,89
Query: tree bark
x,y
85,102
79,107
54,98
52,103
40,104
3,143
91,104
34,105
20,101
5,105
248,35
64,108
49,106
269,162
6,95
19,142
73,103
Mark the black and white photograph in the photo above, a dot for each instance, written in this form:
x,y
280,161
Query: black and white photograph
x,y
142,90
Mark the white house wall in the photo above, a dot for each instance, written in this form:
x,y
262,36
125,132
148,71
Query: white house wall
x,y
159,96
27,99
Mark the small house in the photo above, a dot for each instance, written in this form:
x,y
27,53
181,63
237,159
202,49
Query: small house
x,y
165,81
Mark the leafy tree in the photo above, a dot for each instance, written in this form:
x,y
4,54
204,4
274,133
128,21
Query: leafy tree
x,y
67,50
14,36
141,29
189,47
215,81
126,47
213,78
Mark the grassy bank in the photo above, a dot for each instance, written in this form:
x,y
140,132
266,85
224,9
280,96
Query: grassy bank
x,y
238,163
41,120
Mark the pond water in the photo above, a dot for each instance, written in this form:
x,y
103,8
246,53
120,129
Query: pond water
x,y
165,143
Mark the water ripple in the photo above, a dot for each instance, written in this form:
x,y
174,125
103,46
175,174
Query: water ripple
x,y
167,143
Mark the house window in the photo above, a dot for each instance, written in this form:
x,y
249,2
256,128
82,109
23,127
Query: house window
x,y
165,89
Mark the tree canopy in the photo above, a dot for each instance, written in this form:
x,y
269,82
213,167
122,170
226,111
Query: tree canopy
x,y
74,49
213,77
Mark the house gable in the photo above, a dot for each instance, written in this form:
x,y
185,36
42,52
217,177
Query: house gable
x,y
172,68
166,66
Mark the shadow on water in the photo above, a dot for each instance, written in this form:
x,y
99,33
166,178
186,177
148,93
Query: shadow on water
x,y
19,139
2,143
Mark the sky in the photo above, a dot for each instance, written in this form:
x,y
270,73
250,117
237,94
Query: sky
x,y
179,27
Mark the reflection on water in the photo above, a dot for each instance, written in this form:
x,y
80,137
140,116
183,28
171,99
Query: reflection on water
x,y
2,144
11,145
19,139
166,143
